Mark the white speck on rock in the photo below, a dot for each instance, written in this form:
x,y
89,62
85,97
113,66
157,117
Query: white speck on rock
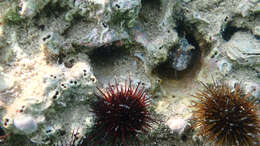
x,y
176,124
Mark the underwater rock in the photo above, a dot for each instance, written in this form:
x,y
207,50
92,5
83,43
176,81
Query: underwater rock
x,y
243,49
224,66
51,44
6,82
177,124
181,56
54,53
29,8
25,124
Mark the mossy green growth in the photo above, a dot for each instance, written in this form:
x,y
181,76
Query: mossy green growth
x,y
12,15
127,17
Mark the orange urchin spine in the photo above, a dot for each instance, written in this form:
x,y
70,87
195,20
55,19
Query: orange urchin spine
x,y
226,116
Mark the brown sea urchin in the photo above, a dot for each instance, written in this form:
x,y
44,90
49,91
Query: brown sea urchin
x,y
121,113
226,116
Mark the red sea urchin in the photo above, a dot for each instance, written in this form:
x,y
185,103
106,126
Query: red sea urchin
x,y
226,116
121,113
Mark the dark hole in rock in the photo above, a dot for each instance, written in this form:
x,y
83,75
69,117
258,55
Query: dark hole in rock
x,y
47,37
2,132
104,25
61,58
213,55
42,27
190,60
62,132
228,31
184,138
153,2
104,58
150,10
165,70
184,58
69,63
55,97
117,6
52,9
20,8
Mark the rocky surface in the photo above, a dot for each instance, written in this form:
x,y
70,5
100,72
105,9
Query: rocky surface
x,y
54,53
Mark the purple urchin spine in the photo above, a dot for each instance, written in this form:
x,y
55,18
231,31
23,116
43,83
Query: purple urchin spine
x,y
120,114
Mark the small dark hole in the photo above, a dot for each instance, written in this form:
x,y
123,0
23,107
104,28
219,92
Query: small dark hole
x,y
84,74
54,97
48,131
214,55
57,92
104,25
42,27
45,38
117,6
69,64
2,132
229,30
71,82
62,132
75,82
84,70
226,18
236,84
184,138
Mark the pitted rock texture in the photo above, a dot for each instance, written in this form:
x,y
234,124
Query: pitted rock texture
x,y
54,53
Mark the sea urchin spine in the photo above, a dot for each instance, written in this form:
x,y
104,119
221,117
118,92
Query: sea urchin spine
x,y
121,113
226,116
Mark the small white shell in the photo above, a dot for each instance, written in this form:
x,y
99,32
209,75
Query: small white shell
x,y
25,124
